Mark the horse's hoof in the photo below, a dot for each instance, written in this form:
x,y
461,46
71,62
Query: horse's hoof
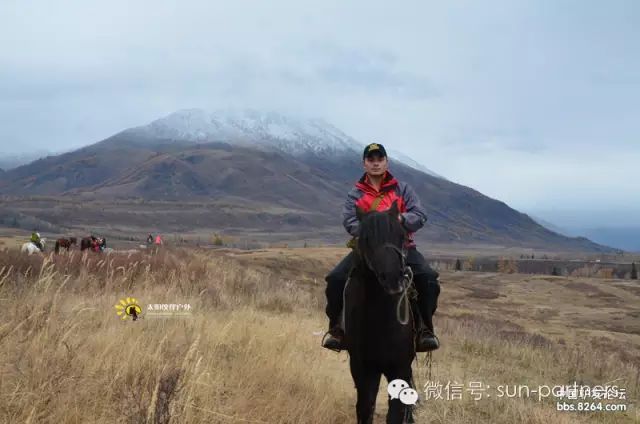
x,y
427,343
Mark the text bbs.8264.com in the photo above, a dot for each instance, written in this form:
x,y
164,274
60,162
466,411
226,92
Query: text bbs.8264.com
x,y
570,398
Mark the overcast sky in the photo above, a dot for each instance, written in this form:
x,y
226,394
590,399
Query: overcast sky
x,y
536,103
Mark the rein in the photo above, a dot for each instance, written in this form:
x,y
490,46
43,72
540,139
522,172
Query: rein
x,y
407,281
403,307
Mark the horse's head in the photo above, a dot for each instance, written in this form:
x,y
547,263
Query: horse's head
x,y
381,246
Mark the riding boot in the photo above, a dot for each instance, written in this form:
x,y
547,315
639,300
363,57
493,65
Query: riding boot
x,y
428,293
334,338
336,281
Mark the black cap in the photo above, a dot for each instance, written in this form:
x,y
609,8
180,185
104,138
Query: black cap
x,y
374,148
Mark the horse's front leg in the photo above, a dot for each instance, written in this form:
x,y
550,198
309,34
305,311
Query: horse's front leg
x,y
367,384
398,412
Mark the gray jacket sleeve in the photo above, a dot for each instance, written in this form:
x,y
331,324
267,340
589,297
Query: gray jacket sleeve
x,y
349,217
415,215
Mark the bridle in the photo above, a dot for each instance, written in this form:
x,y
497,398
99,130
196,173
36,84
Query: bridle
x,y
407,280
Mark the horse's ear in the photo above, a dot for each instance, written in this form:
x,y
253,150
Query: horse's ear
x,y
393,210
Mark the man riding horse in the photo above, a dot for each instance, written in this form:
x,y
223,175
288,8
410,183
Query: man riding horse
x,y
94,243
35,239
377,190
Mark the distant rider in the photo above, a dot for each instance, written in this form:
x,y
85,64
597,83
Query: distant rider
x,y
35,239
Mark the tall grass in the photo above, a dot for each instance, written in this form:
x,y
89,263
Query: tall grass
x,y
249,353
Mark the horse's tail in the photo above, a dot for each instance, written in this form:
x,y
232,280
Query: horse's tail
x,y
57,246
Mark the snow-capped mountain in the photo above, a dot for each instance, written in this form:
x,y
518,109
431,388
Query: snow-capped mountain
x,y
296,136
196,156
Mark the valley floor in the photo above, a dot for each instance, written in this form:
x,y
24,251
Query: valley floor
x,y
249,349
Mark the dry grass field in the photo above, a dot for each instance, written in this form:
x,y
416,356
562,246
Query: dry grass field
x,y
250,350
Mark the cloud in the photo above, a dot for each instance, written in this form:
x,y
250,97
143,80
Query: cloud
x,y
464,140
486,93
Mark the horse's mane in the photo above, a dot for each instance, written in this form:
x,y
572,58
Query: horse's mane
x,y
378,228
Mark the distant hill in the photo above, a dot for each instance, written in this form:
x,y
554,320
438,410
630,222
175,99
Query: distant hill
x,y
300,167
625,238
552,227
10,161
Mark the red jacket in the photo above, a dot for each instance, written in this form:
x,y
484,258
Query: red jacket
x,y
363,195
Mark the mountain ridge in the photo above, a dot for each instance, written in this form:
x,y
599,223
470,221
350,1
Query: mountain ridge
x,y
177,166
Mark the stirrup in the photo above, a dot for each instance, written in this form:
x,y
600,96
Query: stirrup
x,y
340,341
322,343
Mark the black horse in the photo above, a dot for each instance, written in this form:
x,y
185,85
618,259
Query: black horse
x,y
92,242
379,323
66,243
86,242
